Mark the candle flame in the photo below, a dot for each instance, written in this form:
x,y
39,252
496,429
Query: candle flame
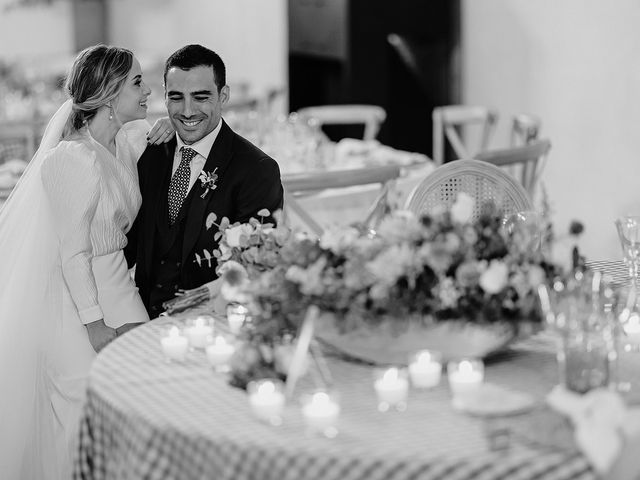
x,y
390,375
424,357
266,388
220,340
320,398
633,323
199,322
465,366
174,331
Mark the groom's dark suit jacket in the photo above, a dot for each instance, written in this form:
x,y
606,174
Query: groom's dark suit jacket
x,y
248,181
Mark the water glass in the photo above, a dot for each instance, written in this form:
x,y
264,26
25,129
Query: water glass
x,y
585,359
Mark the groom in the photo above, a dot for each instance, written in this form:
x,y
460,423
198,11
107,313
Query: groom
x,y
206,169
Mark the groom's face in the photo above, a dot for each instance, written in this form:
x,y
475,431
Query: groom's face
x,y
193,102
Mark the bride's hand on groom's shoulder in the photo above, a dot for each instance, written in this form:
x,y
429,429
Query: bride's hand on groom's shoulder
x,y
99,334
161,132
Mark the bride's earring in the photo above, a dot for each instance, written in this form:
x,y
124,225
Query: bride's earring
x,y
110,112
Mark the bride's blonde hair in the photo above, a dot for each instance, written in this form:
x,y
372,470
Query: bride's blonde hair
x,y
96,78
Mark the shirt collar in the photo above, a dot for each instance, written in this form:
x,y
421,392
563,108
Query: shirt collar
x,y
204,145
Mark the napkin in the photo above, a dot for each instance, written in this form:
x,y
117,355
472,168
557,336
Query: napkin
x,y
601,422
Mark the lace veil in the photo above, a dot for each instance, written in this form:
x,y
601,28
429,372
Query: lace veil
x,y
30,311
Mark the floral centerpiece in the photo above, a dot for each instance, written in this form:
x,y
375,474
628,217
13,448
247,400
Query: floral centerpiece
x,y
429,270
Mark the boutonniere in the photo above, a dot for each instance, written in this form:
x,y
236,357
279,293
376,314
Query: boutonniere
x,y
208,181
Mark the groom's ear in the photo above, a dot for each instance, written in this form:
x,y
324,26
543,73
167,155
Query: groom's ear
x,y
224,95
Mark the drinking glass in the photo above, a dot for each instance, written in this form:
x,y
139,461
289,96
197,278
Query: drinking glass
x,y
629,234
525,230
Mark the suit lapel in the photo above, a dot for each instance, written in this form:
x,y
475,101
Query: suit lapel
x,y
220,158
159,178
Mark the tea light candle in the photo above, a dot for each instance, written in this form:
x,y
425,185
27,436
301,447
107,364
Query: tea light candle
x,y
425,369
174,345
632,329
267,400
392,388
465,376
198,331
219,353
236,315
320,413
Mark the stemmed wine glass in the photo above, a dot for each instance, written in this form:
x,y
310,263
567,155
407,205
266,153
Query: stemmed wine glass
x,y
629,234
628,228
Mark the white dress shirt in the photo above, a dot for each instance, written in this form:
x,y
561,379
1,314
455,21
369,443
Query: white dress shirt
x,y
202,148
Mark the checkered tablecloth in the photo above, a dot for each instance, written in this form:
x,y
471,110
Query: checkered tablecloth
x,y
615,269
147,418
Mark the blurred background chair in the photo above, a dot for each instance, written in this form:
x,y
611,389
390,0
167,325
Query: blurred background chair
x,y
524,162
299,185
452,122
19,139
525,128
482,181
371,116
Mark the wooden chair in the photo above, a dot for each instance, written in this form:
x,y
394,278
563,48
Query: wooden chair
x,y
448,122
300,184
482,181
524,162
372,116
525,128
19,139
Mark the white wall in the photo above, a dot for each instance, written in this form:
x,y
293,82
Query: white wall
x,y
576,64
36,32
249,35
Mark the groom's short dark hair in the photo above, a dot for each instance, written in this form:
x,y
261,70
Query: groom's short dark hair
x,y
192,56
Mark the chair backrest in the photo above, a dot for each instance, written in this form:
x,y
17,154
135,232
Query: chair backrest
x,y
299,184
19,139
525,162
372,116
448,122
524,129
482,181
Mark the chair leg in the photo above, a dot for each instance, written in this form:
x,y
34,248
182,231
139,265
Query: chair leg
x,y
292,203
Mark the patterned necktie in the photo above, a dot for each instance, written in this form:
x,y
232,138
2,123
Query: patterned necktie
x,y
180,183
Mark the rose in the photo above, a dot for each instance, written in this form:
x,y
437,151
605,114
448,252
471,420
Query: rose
x,y
338,239
468,274
494,278
462,209
233,234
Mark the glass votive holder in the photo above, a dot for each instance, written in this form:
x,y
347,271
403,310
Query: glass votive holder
x,y
631,333
584,361
219,351
198,330
392,388
465,375
425,368
174,344
266,398
320,411
236,316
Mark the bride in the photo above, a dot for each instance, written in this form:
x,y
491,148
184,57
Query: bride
x,y
65,290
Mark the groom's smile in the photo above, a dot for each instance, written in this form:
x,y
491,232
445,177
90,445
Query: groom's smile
x,y
193,102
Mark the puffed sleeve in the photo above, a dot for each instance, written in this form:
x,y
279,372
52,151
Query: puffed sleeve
x,y
70,178
133,136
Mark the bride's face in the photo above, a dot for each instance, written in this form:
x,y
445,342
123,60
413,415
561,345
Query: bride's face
x,y
131,103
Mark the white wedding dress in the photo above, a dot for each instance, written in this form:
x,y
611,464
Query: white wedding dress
x,y
62,234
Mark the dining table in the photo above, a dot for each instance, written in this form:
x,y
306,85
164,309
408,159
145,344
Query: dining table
x,y
148,417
